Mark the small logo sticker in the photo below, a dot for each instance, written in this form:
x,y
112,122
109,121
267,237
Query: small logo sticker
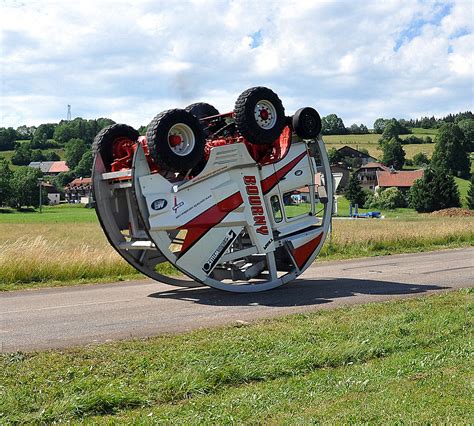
x,y
298,172
223,246
159,204
177,205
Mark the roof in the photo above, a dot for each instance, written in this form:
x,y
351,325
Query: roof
x,y
400,179
354,152
50,166
79,182
373,165
58,167
44,166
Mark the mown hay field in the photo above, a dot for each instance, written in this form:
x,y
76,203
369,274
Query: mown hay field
x,y
39,254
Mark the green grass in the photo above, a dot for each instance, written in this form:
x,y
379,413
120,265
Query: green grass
x,y
65,245
63,213
370,142
7,155
397,362
463,186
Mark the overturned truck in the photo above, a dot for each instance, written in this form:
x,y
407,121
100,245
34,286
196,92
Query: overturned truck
x,y
239,201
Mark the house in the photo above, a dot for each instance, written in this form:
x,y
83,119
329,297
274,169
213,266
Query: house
x,y
347,151
79,190
58,167
401,179
53,194
50,168
367,175
340,168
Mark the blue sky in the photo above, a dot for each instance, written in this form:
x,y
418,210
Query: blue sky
x,y
131,60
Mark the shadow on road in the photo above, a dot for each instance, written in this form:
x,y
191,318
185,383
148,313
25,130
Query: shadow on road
x,y
301,292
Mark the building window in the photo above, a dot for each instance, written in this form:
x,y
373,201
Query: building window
x,y
294,205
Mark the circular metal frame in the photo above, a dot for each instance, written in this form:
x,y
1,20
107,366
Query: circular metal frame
x,y
188,140
269,276
265,114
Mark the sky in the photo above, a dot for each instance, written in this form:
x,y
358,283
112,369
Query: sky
x,y
131,60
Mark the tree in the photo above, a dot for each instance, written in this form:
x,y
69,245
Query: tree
x,y
333,125
24,188
450,151
393,154
42,134
62,179
467,127
420,159
74,151
354,192
435,191
37,155
51,156
7,138
84,167
5,182
22,155
25,132
470,194
379,125
334,156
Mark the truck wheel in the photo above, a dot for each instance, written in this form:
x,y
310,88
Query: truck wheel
x,y
106,139
259,115
307,123
175,140
202,110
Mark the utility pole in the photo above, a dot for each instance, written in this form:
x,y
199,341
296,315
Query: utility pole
x,y
40,183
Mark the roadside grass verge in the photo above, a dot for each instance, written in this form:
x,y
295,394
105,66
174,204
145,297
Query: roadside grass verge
x,y
55,254
399,361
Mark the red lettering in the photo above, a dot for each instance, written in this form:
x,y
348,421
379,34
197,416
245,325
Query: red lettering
x,y
254,200
252,190
256,205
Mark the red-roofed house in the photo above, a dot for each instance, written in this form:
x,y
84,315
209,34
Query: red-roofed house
x,y
78,189
58,167
401,179
367,174
50,168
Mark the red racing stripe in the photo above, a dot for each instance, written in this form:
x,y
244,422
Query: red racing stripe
x,y
269,182
209,218
303,253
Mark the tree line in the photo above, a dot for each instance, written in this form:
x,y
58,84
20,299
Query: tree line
x,y
437,189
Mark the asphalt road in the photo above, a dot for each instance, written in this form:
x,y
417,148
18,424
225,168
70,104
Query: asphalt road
x,y
69,316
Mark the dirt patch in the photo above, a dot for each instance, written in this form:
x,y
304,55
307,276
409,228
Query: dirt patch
x,y
454,212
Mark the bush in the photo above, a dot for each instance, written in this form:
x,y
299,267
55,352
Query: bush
x,y
420,159
412,139
387,199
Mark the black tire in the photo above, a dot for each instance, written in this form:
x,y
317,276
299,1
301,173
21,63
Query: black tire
x,y
307,123
266,129
202,110
104,141
159,145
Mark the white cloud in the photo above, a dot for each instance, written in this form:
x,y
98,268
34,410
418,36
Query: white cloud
x,y
128,61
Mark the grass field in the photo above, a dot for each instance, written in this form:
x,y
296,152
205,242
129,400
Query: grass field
x,y
370,142
7,155
407,361
65,245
